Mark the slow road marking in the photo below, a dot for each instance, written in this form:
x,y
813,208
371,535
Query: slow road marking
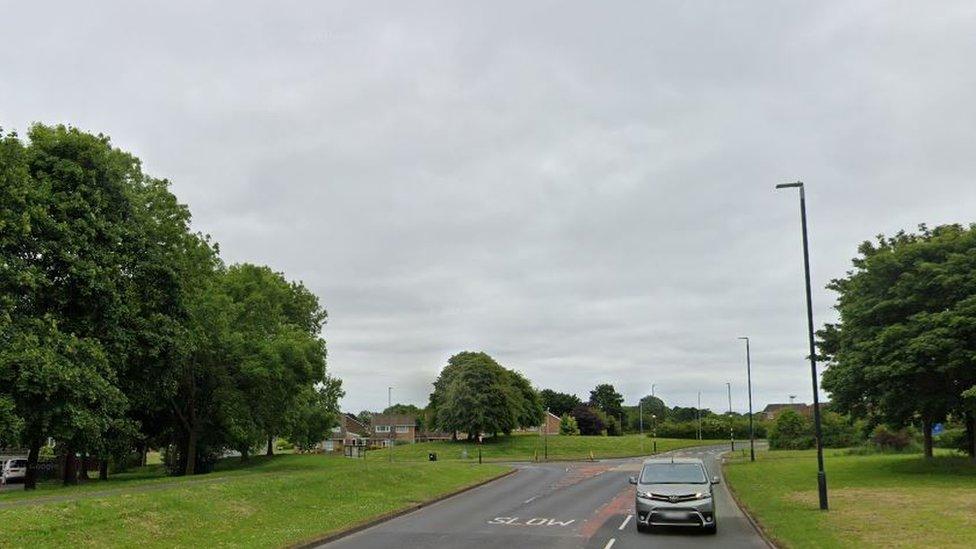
x,y
534,521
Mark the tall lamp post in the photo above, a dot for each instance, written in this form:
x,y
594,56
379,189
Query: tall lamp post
x,y
699,416
728,384
821,475
752,432
389,404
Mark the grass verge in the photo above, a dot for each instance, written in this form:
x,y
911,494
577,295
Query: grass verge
x,y
875,500
274,502
533,447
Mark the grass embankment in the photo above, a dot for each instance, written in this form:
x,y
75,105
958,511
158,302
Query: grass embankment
x,y
270,503
523,447
875,500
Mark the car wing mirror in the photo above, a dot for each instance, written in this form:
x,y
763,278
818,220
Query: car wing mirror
x,y
715,480
633,480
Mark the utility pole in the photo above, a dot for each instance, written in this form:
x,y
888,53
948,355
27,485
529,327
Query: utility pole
x,y
728,384
752,432
821,474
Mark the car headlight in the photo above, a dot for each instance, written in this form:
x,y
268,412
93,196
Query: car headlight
x,y
644,495
703,495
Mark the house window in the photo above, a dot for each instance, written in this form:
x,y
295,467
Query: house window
x,y
382,428
403,428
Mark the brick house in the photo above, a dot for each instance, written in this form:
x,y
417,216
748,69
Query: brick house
x,y
549,426
401,428
773,411
349,429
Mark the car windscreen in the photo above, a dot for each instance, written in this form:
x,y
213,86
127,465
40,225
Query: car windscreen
x,y
18,463
673,473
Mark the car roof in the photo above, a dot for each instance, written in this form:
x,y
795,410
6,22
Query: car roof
x,y
668,461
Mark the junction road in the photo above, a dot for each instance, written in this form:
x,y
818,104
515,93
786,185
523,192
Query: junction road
x,y
562,505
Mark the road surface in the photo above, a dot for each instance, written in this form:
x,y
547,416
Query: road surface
x,y
562,505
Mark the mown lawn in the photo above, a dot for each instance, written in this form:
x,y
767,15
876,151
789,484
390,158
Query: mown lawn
x,y
875,500
524,447
271,503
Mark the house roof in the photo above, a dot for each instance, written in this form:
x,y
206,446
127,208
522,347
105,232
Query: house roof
x,y
394,419
553,415
782,406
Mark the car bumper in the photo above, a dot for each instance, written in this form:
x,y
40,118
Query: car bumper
x,y
695,514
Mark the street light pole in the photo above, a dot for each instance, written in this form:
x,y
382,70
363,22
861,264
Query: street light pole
x,y
752,432
821,475
699,416
389,404
728,384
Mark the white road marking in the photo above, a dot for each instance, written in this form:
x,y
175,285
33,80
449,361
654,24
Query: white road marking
x,y
531,499
624,523
610,543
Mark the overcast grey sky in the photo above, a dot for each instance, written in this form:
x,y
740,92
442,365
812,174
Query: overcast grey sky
x,y
582,190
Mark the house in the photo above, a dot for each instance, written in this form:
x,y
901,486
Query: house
x,y
549,425
349,429
772,411
393,427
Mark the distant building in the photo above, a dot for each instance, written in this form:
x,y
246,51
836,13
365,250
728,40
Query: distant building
x,y
395,427
349,430
549,426
772,411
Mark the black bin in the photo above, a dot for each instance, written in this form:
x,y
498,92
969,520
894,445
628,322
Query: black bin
x,y
432,456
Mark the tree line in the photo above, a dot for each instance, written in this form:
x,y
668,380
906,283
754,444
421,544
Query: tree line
x,y
121,329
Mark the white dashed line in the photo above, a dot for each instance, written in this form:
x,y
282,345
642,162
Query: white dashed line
x,y
624,523
531,499
610,543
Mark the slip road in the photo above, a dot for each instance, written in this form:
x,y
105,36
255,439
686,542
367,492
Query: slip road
x,y
567,505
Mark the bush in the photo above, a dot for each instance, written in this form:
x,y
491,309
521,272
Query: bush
x,y
713,427
888,440
791,431
568,426
838,431
613,427
590,420
954,439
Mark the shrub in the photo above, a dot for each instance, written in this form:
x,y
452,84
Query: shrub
x,y
590,420
954,438
791,431
838,431
887,440
613,427
568,426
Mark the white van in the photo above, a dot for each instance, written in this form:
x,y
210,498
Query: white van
x,y
14,471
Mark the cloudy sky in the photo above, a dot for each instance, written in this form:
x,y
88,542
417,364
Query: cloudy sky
x,y
582,190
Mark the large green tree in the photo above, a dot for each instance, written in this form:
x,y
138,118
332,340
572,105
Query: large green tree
x,y
905,345
558,403
474,394
607,399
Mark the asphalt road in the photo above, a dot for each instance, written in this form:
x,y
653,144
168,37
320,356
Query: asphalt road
x,y
564,505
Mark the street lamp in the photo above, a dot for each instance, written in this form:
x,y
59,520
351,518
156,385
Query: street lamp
x,y
699,416
752,432
389,404
821,475
728,384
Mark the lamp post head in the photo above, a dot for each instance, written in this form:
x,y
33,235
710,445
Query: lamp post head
x,y
790,185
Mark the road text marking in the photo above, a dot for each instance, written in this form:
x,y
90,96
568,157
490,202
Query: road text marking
x,y
534,521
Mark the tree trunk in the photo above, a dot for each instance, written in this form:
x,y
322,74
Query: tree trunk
x,y
143,450
191,453
243,454
69,475
33,452
971,435
927,437
103,469
83,472
270,446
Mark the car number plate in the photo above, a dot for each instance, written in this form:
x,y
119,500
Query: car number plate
x,y
674,515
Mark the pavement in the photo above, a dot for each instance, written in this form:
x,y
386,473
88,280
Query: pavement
x,y
556,505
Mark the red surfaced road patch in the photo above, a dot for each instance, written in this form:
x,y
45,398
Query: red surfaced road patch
x,y
619,505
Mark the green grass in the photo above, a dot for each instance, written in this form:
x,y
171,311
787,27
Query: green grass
x,y
875,500
523,447
272,502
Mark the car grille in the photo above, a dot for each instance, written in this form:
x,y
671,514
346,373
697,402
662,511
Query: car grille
x,y
674,498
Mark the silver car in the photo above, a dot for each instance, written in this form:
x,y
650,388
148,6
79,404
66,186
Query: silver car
x,y
675,492
14,470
